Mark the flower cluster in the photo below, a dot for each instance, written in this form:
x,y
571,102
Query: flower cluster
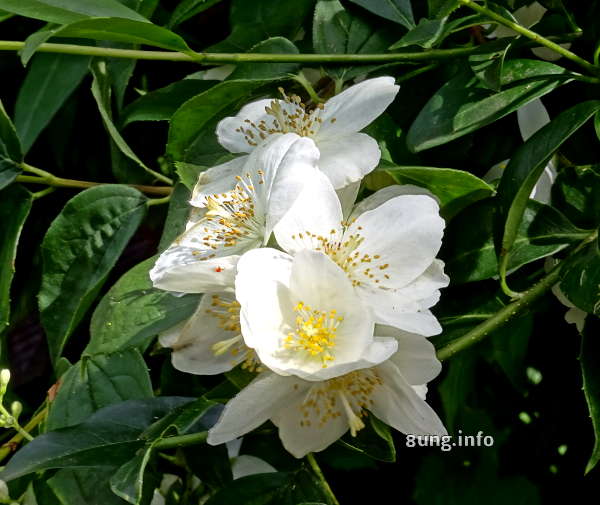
x,y
326,300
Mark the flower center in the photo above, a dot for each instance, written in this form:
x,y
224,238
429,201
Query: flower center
x,y
232,216
293,116
349,394
315,332
227,314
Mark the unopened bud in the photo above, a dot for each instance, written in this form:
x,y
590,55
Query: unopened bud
x,y
5,376
16,408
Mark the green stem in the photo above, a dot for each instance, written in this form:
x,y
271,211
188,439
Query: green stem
x,y
59,182
15,424
220,58
308,87
43,192
181,441
159,201
416,72
531,35
323,481
513,309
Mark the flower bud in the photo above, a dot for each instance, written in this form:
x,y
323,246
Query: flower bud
x,y
5,377
16,408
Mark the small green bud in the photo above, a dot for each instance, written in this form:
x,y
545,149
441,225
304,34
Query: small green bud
x,y
16,408
5,377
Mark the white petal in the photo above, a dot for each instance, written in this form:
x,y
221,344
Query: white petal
x,y
415,358
289,161
531,117
384,194
529,15
315,213
542,191
425,288
398,404
405,233
261,282
347,159
577,317
421,323
347,196
356,107
545,53
245,465
192,348
179,269
252,406
218,179
233,140
311,436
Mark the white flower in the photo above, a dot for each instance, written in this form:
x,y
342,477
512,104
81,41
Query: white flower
x,y
244,465
312,415
346,156
386,249
302,316
203,259
528,16
531,117
210,341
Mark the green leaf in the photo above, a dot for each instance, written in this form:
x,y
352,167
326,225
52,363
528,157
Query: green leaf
x,y
456,386
487,62
133,312
426,34
15,204
281,488
528,163
177,216
112,29
101,90
442,8
68,11
8,171
590,350
398,11
455,189
264,71
575,193
337,31
192,136
161,104
581,281
464,104
131,479
374,440
96,382
10,146
258,20
188,9
468,249
110,435
80,248
87,486
50,81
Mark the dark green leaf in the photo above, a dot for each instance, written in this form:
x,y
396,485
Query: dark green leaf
x,y
8,171
426,34
96,382
487,62
581,281
10,146
456,386
177,216
468,247
264,71
109,437
87,486
576,191
51,79
258,20
161,104
399,11
210,465
68,11
132,479
188,173
464,104
15,204
455,189
374,440
527,164
192,134
132,312
112,29
442,8
337,31
590,350
80,248
188,9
